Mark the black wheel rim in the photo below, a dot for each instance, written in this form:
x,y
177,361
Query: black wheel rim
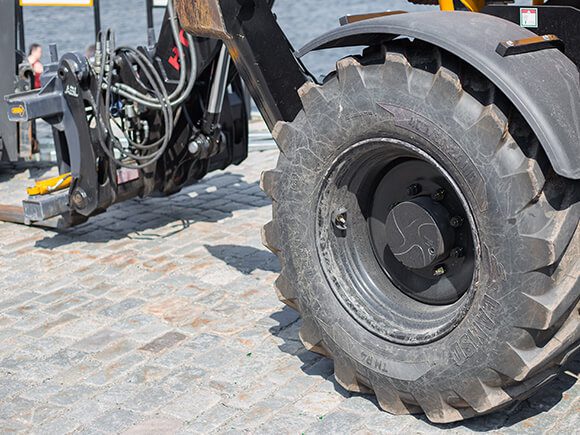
x,y
396,241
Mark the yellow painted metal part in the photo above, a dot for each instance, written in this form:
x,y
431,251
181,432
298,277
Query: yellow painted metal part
x,y
44,187
472,5
446,5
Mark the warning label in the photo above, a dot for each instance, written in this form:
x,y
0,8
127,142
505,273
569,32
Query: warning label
x,y
529,17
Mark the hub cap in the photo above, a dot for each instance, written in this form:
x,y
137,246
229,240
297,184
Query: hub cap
x,y
419,233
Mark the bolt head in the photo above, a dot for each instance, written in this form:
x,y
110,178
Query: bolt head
x,y
439,271
79,198
439,195
339,219
457,252
456,221
414,189
193,147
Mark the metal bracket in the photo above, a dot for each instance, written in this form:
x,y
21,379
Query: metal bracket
x,y
42,207
349,19
529,45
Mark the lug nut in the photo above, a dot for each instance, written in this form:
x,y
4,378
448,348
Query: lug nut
x,y
439,195
457,252
439,271
414,189
456,221
339,219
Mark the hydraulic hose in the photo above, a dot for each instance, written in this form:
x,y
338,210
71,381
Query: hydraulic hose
x,y
142,153
146,100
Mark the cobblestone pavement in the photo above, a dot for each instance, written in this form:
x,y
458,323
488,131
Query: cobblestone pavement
x,y
158,317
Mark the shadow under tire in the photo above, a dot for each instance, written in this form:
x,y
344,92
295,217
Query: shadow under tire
x,y
487,311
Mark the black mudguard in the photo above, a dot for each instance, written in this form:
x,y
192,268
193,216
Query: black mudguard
x,y
543,85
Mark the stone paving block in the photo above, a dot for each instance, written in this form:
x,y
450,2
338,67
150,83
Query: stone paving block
x,y
115,369
6,321
383,423
42,391
211,420
337,422
247,398
150,332
156,426
362,404
215,357
78,371
289,420
258,413
70,395
67,357
189,406
41,347
186,379
86,412
115,350
21,298
42,413
164,342
318,404
66,304
55,295
285,373
122,307
150,399
98,340
60,425
13,426
29,316
8,333
147,374
175,310
116,421
133,322
15,408
176,357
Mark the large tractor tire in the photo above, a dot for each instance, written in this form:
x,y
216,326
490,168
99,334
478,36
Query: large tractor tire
x,y
431,250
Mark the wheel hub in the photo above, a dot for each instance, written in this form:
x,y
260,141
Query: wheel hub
x,y
419,233
395,242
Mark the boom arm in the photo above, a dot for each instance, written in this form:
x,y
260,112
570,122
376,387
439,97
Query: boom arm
x,y
260,50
